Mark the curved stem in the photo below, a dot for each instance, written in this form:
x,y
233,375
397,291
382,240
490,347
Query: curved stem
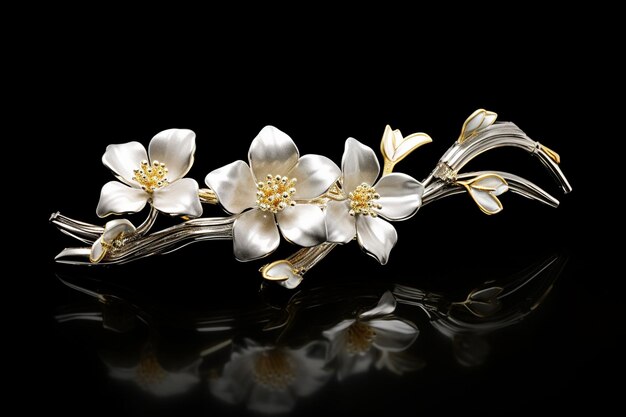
x,y
161,242
147,224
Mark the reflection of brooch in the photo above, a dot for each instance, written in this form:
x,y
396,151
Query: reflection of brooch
x,y
268,352
307,199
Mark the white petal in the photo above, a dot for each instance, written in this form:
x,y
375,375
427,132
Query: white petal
x,y
123,159
340,226
388,143
490,118
486,201
303,224
315,175
338,329
114,228
310,365
405,146
474,121
282,272
255,235
97,251
495,182
376,236
272,152
386,305
173,384
234,186
359,164
394,335
350,364
400,196
124,374
237,378
175,148
180,198
117,198
267,401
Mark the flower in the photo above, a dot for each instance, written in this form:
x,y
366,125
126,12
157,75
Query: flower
x,y
394,197
271,378
158,179
277,186
373,337
149,374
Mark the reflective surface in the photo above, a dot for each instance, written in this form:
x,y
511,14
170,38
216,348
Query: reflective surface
x,y
352,345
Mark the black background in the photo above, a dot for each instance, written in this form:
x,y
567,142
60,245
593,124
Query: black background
x,y
556,359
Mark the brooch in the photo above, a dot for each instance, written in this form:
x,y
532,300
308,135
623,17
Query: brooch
x,y
307,199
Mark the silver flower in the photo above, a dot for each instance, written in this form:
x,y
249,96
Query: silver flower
x,y
270,379
149,375
373,338
276,186
394,197
157,178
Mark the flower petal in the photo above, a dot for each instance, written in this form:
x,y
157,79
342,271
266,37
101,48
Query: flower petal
x,y
340,226
338,329
303,224
315,174
271,401
172,384
376,236
255,235
123,159
400,196
282,272
175,148
386,305
359,164
116,227
117,198
98,251
393,334
234,186
272,152
180,198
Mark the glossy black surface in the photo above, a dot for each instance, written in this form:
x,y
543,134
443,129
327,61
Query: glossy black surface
x,y
107,341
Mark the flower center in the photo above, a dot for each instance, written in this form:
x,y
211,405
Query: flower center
x,y
361,201
275,193
274,369
151,177
149,371
360,338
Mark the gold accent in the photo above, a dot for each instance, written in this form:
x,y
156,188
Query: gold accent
x,y
275,194
151,177
359,337
149,370
300,261
266,268
553,155
469,185
105,248
393,140
362,201
387,166
274,369
468,134
207,196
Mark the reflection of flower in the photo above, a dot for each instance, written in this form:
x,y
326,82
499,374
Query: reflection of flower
x,y
276,180
152,377
374,337
394,197
158,178
269,378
